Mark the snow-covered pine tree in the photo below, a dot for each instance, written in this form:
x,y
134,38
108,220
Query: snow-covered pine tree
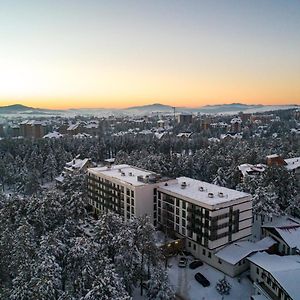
x,y
223,287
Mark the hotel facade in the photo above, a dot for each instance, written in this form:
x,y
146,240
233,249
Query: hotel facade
x,y
207,217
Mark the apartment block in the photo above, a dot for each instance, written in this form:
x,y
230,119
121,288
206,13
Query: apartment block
x,y
126,190
209,217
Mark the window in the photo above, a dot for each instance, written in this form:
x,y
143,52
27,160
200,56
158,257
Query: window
x,y
177,202
203,251
195,247
177,220
183,231
209,254
132,201
132,194
189,244
183,223
183,205
257,271
220,262
183,214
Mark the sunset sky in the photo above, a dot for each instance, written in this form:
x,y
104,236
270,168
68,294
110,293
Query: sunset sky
x,y
93,53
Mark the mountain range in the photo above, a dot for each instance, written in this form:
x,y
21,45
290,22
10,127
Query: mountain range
x,y
20,109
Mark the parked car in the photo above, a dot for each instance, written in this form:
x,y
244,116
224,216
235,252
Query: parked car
x,y
182,262
202,280
195,264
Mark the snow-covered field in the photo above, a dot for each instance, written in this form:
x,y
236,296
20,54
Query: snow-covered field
x,y
187,288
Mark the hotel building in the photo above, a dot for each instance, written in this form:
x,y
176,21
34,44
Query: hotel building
x,y
208,216
205,216
126,190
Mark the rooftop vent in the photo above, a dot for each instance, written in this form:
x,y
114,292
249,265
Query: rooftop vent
x,y
183,185
210,195
201,188
221,195
120,170
166,184
122,173
130,174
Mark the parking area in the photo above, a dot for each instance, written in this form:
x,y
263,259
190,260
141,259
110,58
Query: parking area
x,y
187,288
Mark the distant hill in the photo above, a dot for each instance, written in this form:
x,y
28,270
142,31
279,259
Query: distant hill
x,y
26,110
15,108
228,107
152,107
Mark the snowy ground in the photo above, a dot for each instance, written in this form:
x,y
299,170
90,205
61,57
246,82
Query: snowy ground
x,y
187,288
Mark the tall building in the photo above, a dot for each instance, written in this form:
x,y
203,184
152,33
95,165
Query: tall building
x,y
126,190
206,215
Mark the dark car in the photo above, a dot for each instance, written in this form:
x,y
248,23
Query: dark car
x,y
202,280
195,264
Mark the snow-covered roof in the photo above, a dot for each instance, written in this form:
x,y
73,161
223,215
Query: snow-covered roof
x,y
73,126
247,169
124,173
82,135
237,251
53,135
288,229
200,191
76,164
284,269
292,163
184,134
159,135
273,156
110,160
236,120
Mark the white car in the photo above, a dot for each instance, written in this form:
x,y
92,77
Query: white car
x,y
182,262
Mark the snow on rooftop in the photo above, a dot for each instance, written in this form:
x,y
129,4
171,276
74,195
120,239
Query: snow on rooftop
x,y
247,169
282,222
288,229
201,191
76,163
124,173
284,269
272,156
292,163
53,135
237,251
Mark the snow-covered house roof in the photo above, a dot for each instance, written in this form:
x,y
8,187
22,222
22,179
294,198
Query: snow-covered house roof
x,y
76,164
236,120
284,269
200,191
232,136
82,135
292,163
159,135
185,134
248,169
237,251
288,229
53,135
73,126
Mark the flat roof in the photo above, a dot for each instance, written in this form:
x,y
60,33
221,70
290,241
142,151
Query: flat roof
x,y
118,171
201,191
